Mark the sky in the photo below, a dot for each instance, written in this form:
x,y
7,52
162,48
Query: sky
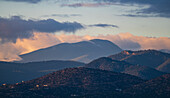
x,y
28,25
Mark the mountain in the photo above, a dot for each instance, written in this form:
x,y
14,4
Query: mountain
x,y
72,82
106,63
165,66
17,72
150,58
155,88
89,83
83,51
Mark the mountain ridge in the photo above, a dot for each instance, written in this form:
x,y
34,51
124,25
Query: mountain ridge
x,y
106,63
150,58
72,81
70,51
15,72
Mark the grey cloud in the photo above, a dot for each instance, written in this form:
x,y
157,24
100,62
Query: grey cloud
x,y
139,15
15,27
159,8
62,15
27,1
105,25
75,5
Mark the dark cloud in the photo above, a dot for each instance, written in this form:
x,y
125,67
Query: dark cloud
x,y
159,8
139,15
15,27
105,25
62,15
27,1
75,5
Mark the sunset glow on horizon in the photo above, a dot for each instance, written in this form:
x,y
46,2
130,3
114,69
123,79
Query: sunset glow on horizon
x,y
29,25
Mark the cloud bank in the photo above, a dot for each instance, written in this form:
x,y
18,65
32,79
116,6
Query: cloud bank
x,y
10,51
75,5
16,27
62,15
157,8
27,1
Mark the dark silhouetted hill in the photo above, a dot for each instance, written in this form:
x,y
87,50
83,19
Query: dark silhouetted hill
x,y
72,82
155,88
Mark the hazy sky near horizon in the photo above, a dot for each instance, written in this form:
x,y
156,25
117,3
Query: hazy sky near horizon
x,y
24,24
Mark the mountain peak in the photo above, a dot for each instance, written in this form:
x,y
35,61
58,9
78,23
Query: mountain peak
x,y
84,51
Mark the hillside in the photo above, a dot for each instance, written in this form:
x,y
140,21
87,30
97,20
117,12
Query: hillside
x,y
165,66
17,72
84,51
106,63
155,88
72,82
150,58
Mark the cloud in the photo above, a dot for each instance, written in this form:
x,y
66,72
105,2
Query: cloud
x,y
75,5
27,1
157,8
138,15
10,51
124,40
128,44
15,27
105,25
62,15
144,42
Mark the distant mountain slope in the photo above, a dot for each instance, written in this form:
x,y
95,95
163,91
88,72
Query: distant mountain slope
x,y
150,58
155,88
16,72
83,51
72,82
165,66
106,63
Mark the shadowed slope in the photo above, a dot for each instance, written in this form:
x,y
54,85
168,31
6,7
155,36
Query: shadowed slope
x,y
155,88
17,72
150,58
106,63
83,51
73,81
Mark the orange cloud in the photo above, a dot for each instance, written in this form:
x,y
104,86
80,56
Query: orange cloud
x,y
40,40
10,51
